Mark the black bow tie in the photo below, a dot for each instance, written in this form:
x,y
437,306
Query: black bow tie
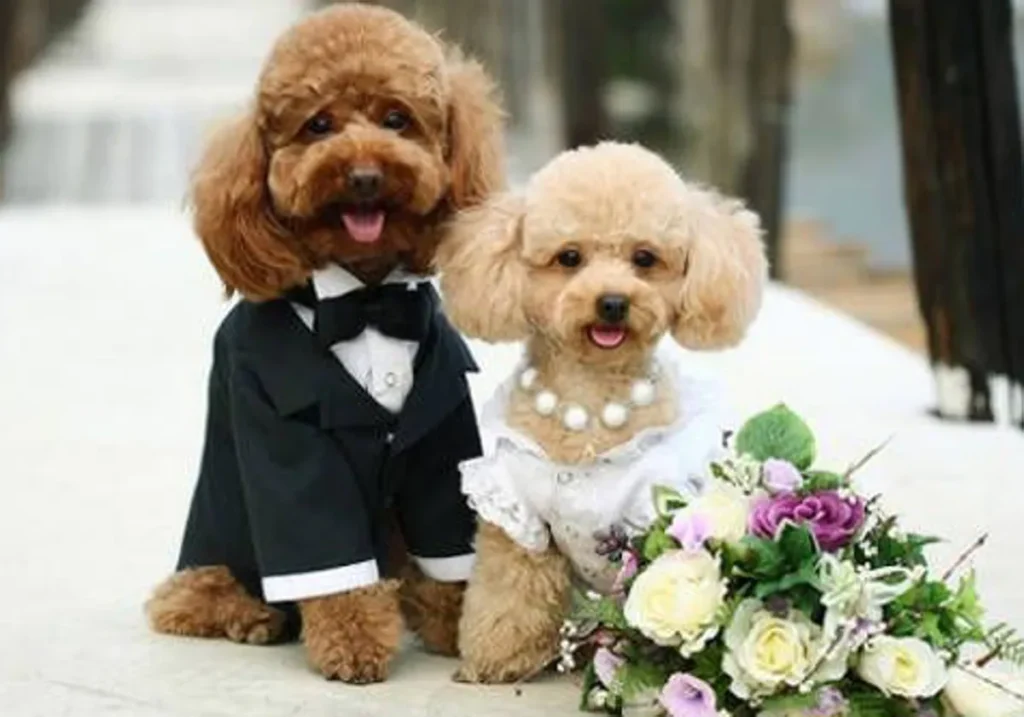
x,y
396,310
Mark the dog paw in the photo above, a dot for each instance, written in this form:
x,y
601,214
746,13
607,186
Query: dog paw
x,y
510,668
260,627
367,665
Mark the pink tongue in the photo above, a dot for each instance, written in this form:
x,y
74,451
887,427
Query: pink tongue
x,y
364,227
607,337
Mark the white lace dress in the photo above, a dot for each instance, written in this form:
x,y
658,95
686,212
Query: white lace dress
x,y
534,500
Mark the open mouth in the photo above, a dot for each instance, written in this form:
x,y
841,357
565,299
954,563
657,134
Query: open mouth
x,y
607,336
364,225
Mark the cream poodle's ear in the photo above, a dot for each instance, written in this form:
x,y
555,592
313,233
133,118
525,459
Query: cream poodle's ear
x,y
482,272
475,134
726,271
246,244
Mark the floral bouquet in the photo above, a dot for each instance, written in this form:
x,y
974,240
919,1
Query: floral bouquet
x,y
780,591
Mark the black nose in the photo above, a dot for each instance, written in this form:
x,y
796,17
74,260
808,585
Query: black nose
x,y
364,182
612,308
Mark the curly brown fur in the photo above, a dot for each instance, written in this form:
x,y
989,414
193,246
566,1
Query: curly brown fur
x,y
209,602
432,610
514,606
353,636
271,189
614,207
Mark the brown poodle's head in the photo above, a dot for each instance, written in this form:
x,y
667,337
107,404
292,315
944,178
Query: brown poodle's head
x,y
605,251
366,133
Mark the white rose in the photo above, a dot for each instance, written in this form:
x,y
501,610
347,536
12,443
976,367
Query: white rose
x,y
904,666
765,652
972,697
676,600
727,509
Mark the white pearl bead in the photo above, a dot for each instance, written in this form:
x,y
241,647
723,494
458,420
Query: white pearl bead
x,y
545,403
614,415
575,418
642,392
527,379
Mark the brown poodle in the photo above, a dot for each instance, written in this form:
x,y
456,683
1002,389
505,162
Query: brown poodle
x,y
605,252
366,134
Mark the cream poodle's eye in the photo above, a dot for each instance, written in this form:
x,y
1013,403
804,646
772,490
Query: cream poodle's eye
x,y
569,258
396,120
320,124
644,258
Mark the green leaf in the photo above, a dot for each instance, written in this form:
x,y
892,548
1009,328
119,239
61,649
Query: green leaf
x,y
658,542
605,611
777,433
762,558
637,677
797,544
822,480
667,500
789,704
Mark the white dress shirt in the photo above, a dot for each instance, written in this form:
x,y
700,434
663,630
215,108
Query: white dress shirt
x,y
383,366
534,500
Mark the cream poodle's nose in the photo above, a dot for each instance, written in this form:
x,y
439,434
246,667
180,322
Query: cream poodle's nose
x,y
612,308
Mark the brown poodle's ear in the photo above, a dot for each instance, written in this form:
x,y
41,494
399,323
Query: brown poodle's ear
x,y
482,272
475,134
251,251
725,275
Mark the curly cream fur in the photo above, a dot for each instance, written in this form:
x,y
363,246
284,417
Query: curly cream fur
x,y
502,281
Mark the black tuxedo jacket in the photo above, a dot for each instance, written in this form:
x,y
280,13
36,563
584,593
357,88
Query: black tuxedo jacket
x,y
301,465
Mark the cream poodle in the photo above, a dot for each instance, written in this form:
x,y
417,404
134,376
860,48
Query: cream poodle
x,y
605,252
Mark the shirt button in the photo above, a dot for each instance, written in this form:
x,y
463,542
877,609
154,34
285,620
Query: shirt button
x,y
390,379
390,438
564,478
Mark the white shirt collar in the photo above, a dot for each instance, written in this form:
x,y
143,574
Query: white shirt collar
x,y
334,280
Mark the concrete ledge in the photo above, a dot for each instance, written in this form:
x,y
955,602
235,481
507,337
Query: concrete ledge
x,y
106,320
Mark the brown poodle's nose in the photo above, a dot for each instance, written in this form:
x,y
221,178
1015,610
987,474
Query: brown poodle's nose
x,y
364,182
612,308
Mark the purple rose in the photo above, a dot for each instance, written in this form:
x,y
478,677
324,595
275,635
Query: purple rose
x,y
832,519
781,476
687,696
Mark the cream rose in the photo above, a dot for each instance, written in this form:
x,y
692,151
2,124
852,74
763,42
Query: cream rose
x,y
765,652
972,697
726,508
676,600
904,666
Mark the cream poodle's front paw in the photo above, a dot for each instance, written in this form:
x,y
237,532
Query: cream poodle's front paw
x,y
504,668
508,647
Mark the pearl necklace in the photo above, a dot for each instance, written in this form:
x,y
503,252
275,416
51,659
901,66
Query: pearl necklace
x,y
614,414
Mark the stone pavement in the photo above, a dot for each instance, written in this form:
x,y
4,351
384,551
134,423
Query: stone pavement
x,y
105,326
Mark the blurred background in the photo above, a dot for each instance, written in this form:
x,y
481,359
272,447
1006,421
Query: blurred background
x,y
788,103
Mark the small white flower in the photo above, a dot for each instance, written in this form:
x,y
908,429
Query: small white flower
x,y
903,666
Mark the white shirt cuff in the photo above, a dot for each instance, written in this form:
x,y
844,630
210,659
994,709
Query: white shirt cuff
x,y
299,586
447,570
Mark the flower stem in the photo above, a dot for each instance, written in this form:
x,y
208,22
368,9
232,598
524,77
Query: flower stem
x,y
964,556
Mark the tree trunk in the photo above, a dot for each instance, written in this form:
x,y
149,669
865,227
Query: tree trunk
x,y
964,189
736,91
579,35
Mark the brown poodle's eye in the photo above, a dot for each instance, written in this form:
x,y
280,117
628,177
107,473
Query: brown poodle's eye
x,y
569,258
320,124
644,258
396,120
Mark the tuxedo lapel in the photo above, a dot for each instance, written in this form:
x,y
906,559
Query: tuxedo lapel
x,y
298,374
440,384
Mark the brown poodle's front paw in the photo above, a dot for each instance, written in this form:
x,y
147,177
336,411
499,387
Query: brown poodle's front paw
x,y
260,627
356,666
432,610
353,636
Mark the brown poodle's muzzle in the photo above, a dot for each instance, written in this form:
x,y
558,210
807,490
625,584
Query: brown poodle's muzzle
x,y
605,309
356,177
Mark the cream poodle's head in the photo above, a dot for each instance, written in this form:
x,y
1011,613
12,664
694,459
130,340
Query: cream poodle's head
x,y
605,251
365,134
